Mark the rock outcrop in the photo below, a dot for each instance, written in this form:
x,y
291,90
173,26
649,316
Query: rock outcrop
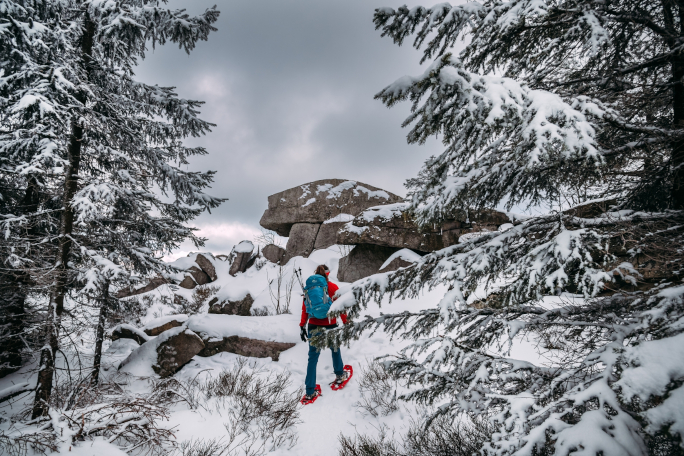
x,y
301,241
242,254
319,201
239,307
175,351
246,347
391,226
364,260
273,253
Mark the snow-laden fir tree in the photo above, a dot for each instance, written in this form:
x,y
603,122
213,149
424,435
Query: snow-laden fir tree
x,y
572,107
102,151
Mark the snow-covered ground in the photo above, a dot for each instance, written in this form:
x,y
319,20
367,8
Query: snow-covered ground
x,y
321,423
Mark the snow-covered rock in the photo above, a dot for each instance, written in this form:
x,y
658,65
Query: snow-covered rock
x,y
164,355
124,331
159,325
319,201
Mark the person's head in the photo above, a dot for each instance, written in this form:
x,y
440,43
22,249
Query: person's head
x,y
322,270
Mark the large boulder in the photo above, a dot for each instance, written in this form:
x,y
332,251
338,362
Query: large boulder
x,y
391,226
363,261
301,241
237,307
246,347
319,201
242,254
176,351
164,355
159,325
273,253
206,265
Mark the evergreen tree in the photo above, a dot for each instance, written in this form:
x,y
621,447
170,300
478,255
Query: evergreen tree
x,y
106,147
575,107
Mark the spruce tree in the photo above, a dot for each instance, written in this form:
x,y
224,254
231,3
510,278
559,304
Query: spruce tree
x,y
107,148
574,108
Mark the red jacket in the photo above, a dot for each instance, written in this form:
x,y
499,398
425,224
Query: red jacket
x,y
332,288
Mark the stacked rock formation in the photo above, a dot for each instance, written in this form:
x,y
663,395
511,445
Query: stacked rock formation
x,y
311,214
334,211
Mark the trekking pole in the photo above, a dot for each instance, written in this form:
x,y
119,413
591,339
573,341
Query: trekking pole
x,y
298,273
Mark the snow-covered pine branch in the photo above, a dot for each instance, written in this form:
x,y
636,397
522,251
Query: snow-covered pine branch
x,y
575,106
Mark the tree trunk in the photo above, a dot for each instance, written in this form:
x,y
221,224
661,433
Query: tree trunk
x,y
59,288
12,318
101,321
677,161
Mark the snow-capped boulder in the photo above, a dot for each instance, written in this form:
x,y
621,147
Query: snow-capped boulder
x,y
391,226
164,355
273,253
246,347
125,331
301,241
159,325
319,201
206,265
363,261
242,254
258,337
232,307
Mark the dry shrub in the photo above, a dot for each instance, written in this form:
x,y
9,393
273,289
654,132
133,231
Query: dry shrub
x,y
129,421
443,436
261,411
378,390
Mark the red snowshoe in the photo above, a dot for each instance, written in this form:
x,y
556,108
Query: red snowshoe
x,y
338,386
317,393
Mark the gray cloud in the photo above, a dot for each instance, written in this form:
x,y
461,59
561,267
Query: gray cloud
x,y
290,85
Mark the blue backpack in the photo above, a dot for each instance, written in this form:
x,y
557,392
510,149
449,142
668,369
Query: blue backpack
x,y
316,297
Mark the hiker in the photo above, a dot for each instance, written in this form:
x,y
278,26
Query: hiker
x,y
316,325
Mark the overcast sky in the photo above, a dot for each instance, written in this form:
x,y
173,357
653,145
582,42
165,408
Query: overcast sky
x,y
289,85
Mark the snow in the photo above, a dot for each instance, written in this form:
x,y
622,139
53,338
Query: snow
x,y
244,247
133,329
340,218
278,328
336,191
404,254
157,322
139,363
384,212
309,201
